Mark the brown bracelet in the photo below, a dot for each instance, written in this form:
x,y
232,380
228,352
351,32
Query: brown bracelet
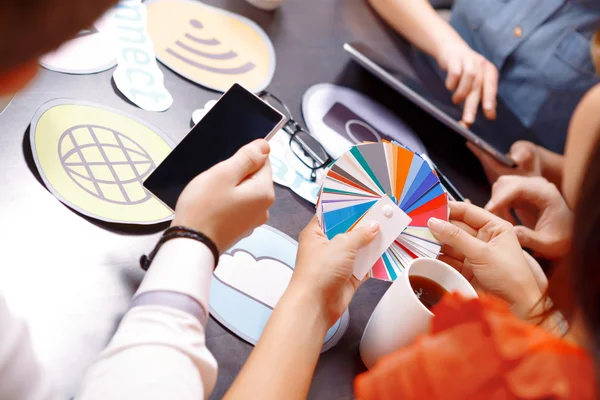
x,y
180,232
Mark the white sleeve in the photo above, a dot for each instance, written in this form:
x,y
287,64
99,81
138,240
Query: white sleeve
x,y
159,350
22,377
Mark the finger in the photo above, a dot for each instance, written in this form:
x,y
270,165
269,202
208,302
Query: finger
x,y
260,179
472,102
455,237
509,190
531,239
451,261
259,187
465,86
312,228
471,215
461,266
490,91
523,154
537,271
454,73
464,227
451,252
248,160
358,238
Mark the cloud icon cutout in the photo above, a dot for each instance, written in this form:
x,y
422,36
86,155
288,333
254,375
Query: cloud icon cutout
x,y
200,113
264,279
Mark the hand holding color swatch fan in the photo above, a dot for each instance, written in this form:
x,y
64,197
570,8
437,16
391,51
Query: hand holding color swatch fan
x,y
393,186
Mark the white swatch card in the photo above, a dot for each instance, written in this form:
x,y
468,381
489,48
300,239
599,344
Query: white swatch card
x,y
392,221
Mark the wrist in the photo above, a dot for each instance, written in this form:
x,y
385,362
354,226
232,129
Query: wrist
x,y
443,39
527,304
306,305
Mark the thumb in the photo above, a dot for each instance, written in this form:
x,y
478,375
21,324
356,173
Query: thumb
x,y
522,154
531,239
449,234
248,160
361,237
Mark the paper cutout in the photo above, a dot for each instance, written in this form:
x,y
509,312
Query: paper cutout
x,y
391,185
90,52
137,75
94,160
200,113
264,280
249,281
287,170
212,47
341,118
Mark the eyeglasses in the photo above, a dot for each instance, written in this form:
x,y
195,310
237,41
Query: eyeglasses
x,y
304,145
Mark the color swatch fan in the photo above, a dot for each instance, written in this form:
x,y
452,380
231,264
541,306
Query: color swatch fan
x,y
393,186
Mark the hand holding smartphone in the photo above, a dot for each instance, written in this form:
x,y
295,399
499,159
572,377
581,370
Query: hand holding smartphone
x,y
238,118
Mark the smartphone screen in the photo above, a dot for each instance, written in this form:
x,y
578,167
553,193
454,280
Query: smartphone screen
x,y
237,119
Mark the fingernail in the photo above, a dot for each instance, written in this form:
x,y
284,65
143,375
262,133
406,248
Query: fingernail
x,y
469,118
374,227
488,105
264,146
436,225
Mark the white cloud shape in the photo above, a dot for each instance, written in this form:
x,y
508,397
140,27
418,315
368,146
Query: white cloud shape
x,y
264,279
200,113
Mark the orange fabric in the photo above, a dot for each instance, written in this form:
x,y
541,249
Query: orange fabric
x,y
478,350
16,79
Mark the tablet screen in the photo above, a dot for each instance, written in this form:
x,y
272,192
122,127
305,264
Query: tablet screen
x,y
237,119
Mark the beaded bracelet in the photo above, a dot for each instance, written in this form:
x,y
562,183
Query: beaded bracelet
x,y
179,232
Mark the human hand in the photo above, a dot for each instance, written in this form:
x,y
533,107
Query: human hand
x,y
547,220
230,199
471,77
484,247
324,267
526,155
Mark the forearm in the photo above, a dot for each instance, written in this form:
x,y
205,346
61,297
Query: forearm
x,y
158,352
418,22
282,364
159,349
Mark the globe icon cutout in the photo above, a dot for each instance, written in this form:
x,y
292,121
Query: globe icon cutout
x,y
106,164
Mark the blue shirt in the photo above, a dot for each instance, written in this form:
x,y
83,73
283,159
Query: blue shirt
x,y
542,51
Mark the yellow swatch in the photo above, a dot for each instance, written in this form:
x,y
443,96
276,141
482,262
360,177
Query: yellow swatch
x,y
95,159
209,46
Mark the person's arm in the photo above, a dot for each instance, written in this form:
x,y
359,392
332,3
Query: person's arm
x,y
282,364
471,77
418,22
159,349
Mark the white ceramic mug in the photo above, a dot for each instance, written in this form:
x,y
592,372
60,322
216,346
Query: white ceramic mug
x,y
400,316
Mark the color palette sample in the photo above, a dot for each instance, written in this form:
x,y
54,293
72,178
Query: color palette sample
x,y
370,175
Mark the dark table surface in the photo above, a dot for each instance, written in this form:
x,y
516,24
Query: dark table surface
x,y
72,278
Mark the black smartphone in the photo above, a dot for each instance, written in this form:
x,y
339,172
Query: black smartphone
x,y
238,118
